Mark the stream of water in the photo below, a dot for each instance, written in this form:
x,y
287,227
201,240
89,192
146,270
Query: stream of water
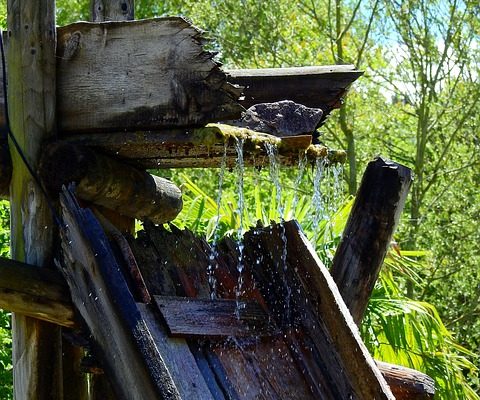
x,y
317,199
240,171
212,264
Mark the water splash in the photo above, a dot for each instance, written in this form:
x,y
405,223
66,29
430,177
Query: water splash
x,y
240,171
272,153
302,163
212,264
317,199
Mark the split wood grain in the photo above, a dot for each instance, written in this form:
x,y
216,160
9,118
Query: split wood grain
x,y
134,75
122,341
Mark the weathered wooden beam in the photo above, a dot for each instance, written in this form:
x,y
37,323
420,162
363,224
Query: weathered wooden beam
x,y
105,181
203,147
301,292
132,75
112,10
202,318
121,339
360,254
368,233
31,57
319,87
5,159
36,292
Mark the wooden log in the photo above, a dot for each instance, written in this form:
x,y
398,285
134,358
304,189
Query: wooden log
x,y
367,235
31,96
37,292
407,383
318,87
105,181
203,147
187,317
133,75
112,10
360,254
302,292
122,341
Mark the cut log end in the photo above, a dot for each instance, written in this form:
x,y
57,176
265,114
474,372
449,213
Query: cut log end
x,y
107,182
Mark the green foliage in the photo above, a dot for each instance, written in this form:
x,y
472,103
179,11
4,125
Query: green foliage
x,y
6,375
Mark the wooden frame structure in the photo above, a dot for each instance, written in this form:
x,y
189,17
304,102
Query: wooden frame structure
x,y
77,99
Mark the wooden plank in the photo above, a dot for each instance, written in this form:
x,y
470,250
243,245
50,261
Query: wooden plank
x,y
112,10
40,293
313,301
107,182
122,342
134,75
369,230
31,96
187,317
319,87
202,147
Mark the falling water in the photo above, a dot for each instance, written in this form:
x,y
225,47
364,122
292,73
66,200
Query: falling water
x,y
240,169
317,200
212,265
272,153
302,162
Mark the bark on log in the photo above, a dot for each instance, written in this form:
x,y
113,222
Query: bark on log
x,y
134,75
367,235
31,93
37,292
105,181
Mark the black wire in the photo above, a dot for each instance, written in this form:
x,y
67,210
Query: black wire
x,y
10,134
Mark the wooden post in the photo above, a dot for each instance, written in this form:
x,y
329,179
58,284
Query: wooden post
x,y
368,232
360,256
31,96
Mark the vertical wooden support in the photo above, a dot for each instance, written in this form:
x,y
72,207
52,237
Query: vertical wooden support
x,y
31,96
368,233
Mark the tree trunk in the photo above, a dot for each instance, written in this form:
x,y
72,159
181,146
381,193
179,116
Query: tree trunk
x,y
31,95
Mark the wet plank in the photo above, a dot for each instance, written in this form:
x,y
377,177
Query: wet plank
x,y
187,317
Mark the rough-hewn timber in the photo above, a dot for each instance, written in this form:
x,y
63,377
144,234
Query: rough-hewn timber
x,y
31,93
131,75
202,147
187,317
122,341
319,87
105,181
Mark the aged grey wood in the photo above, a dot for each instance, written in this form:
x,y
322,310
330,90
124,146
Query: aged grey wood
x,y
367,235
314,302
187,317
31,77
5,159
112,10
121,339
134,75
37,292
105,181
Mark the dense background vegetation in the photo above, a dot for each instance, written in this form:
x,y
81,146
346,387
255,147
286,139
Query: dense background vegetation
x,y
418,103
